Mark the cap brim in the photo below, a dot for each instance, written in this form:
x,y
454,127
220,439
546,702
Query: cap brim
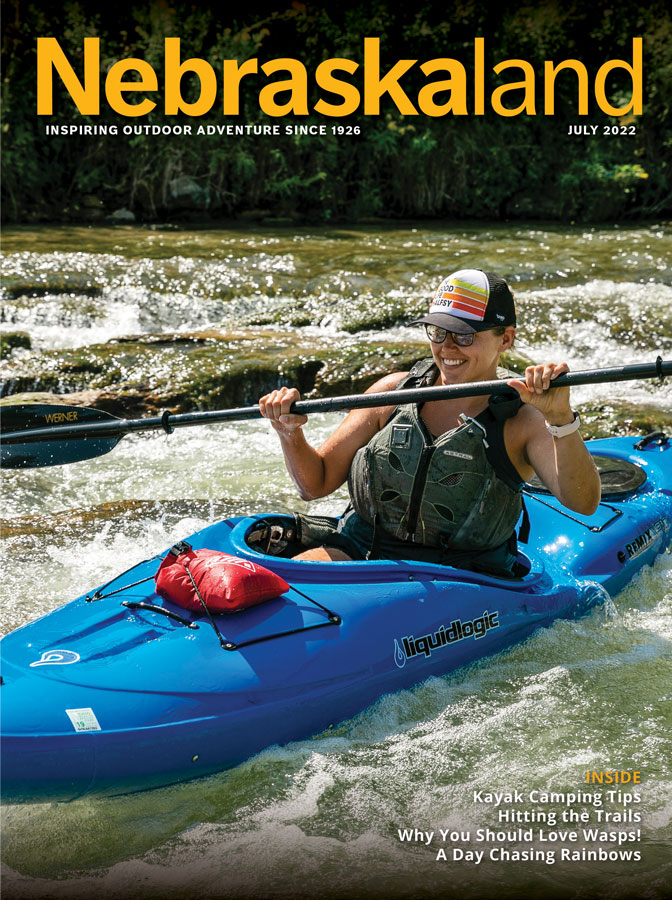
x,y
452,323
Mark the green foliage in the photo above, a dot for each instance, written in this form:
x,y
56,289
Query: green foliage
x,y
399,166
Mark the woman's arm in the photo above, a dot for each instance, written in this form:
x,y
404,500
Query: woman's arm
x,y
320,472
563,463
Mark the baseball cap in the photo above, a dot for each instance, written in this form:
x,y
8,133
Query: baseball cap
x,y
471,300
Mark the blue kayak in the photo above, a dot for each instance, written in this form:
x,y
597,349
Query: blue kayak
x,y
105,696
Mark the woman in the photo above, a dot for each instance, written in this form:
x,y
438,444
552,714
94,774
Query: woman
x,y
441,482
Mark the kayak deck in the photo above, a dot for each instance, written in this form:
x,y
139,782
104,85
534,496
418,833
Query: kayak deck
x,y
102,697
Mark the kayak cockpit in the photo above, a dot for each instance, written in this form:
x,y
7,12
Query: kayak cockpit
x,y
253,536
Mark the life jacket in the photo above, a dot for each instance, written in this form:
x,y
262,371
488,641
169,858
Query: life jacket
x,y
457,491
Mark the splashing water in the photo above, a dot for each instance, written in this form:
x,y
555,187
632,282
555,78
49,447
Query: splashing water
x,y
321,818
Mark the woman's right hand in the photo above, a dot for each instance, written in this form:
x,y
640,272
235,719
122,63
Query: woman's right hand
x,y
275,407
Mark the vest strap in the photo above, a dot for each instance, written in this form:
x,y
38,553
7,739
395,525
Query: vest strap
x,y
524,530
374,550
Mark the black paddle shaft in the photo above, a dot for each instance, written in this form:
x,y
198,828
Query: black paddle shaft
x,y
167,422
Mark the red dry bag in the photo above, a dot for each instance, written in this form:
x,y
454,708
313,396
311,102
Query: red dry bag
x,y
226,583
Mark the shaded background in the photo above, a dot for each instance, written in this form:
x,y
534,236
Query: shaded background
x,y
467,167
137,317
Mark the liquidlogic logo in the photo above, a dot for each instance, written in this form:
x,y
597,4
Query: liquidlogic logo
x,y
457,631
56,658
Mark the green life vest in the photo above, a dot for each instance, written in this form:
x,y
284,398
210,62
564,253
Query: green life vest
x,y
438,492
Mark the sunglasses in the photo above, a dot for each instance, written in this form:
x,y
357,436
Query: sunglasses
x,y
437,335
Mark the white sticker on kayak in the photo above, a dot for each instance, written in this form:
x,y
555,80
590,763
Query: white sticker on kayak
x,y
84,719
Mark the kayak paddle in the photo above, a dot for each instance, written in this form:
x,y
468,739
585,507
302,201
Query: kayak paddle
x,y
37,434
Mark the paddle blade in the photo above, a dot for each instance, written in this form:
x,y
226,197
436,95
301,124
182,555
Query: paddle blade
x,y
48,451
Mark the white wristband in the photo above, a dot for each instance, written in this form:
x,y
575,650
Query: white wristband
x,y
559,431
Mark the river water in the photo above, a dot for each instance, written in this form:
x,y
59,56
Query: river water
x,y
321,818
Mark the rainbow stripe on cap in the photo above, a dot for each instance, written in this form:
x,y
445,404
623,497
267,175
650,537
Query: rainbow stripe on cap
x,y
464,294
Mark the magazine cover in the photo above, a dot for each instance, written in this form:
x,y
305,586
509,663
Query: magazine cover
x,y
462,686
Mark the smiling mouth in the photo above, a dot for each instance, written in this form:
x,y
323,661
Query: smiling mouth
x,y
452,363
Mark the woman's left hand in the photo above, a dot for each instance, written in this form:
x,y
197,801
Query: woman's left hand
x,y
534,390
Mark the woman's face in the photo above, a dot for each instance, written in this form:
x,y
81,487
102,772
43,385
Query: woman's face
x,y
477,362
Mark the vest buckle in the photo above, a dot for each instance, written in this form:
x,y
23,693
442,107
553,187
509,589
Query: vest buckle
x,y
464,418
